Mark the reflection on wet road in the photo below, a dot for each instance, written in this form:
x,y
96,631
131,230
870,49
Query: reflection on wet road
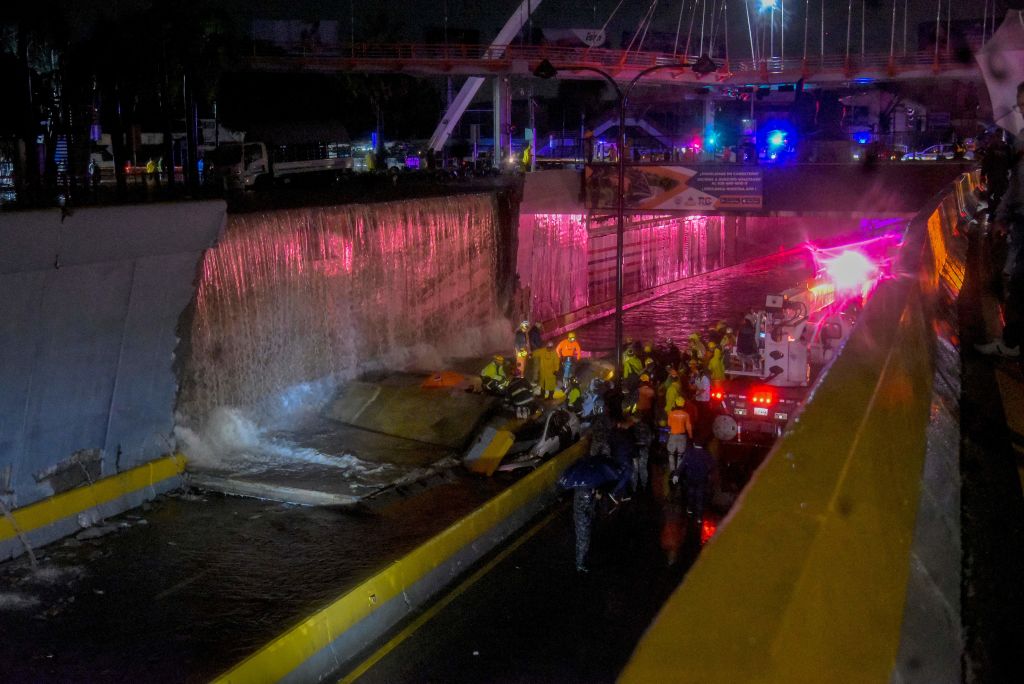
x,y
704,300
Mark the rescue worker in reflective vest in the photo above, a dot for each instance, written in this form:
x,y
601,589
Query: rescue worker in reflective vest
x,y
695,348
680,430
673,390
716,364
631,370
521,357
569,352
546,361
493,377
728,347
522,343
574,397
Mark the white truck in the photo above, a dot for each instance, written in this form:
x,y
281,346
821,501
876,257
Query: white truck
x,y
798,331
251,165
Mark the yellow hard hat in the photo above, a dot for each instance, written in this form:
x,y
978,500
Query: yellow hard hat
x,y
644,377
525,325
648,361
680,401
572,336
499,358
648,349
711,345
521,353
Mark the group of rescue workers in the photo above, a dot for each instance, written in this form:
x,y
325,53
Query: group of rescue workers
x,y
663,397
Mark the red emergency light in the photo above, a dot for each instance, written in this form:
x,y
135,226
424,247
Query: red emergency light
x,y
707,530
763,396
717,394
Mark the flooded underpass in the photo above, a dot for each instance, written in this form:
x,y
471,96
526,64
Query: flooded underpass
x,y
532,616
187,588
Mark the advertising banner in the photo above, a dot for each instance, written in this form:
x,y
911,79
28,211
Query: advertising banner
x,y
708,187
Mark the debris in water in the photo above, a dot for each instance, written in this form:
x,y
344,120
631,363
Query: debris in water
x,y
95,532
13,601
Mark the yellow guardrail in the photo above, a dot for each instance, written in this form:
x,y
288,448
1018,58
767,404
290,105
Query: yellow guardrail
x,y
72,502
806,579
289,651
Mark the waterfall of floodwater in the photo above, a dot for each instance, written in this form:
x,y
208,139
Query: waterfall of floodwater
x,y
291,302
568,262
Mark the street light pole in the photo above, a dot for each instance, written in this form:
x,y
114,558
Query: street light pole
x,y
547,70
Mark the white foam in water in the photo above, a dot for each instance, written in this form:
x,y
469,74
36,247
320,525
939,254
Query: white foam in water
x,y
14,601
232,441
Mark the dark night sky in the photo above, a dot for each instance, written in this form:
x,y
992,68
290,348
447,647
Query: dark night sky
x,y
488,16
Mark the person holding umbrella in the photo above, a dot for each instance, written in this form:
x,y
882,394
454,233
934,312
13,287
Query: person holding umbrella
x,y
584,477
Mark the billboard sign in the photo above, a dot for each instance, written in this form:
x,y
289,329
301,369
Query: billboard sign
x,y
708,187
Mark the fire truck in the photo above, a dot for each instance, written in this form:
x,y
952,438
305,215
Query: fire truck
x,y
798,331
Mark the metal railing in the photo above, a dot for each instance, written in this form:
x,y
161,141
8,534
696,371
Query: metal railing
x,y
500,58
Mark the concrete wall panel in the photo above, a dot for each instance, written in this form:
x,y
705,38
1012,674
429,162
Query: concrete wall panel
x,y
88,330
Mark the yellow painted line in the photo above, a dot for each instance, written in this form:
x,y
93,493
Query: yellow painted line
x,y
415,625
74,501
303,641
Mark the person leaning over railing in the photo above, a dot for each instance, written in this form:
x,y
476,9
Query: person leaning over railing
x,y
1010,222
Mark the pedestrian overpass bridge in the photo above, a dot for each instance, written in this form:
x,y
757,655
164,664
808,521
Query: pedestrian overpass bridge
x,y
572,63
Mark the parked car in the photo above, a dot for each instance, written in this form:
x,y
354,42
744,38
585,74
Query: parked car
x,y
937,152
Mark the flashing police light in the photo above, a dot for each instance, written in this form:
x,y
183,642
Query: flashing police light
x,y
850,270
768,5
777,138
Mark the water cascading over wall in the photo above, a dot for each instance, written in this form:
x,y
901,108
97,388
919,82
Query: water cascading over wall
x,y
567,261
295,296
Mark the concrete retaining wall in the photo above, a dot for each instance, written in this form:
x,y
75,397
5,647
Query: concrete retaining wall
x,y
88,318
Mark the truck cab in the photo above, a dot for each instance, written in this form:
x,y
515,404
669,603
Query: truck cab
x,y
242,166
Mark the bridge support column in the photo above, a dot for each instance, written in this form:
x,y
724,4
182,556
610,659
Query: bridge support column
x,y
709,126
502,120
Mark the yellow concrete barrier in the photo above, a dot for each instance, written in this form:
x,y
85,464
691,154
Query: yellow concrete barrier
x,y
74,501
806,579
289,651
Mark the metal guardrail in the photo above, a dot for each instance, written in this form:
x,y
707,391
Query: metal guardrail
x,y
807,579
